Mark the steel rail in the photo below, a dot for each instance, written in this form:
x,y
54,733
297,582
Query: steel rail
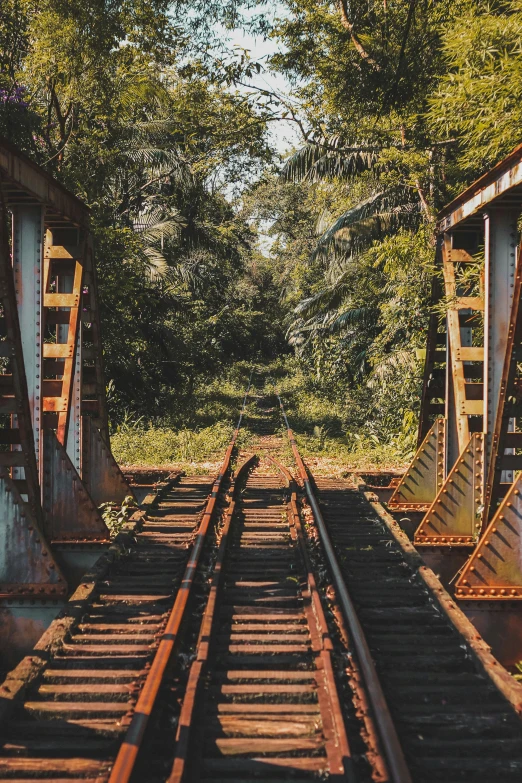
x,y
388,737
336,745
198,666
128,752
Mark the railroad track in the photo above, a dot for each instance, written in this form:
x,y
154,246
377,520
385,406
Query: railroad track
x,y
214,649
73,719
452,722
262,701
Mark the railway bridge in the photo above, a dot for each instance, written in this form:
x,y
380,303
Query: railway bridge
x,y
262,624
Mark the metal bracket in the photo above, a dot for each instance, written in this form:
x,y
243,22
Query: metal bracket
x,y
70,512
27,567
494,571
419,486
100,471
454,518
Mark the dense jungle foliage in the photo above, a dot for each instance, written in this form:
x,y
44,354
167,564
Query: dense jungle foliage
x,y
213,251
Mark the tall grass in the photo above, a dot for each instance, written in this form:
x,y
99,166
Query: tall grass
x,y
153,445
321,426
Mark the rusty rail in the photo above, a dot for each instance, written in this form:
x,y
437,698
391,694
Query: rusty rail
x,y
126,758
197,668
261,630
389,740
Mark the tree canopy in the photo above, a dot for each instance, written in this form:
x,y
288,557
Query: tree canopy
x,y
213,250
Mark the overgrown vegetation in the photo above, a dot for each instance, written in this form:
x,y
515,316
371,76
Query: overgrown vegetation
x,y
320,426
143,110
116,516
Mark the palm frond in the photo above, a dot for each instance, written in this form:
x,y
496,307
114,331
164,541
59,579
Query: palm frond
x,y
327,158
360,317
150,155
329,298
369,220
157,264
387,367
155,225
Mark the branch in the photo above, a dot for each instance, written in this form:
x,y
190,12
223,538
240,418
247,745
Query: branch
x,y
288,106
425,206
358,45
407,29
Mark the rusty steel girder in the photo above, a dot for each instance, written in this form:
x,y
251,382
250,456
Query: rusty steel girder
x,y
483,386
27,566
494,571
453,518
56,466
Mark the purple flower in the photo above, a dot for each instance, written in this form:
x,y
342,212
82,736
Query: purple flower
x,y
14,96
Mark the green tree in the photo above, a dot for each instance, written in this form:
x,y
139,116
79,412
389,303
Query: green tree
x,y
156,148
478,99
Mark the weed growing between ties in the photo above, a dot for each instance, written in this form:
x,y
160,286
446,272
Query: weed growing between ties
x,y
115,516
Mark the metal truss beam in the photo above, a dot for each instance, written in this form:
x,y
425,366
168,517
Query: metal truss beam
x,y
61,357
27,566
499,185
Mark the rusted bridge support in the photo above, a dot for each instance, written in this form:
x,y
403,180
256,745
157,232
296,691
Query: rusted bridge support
x,y
55,462
473,525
